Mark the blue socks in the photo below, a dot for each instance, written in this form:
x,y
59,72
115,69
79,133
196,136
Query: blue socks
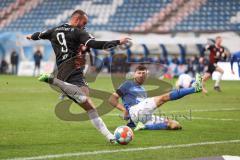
x,y
156,126
179,93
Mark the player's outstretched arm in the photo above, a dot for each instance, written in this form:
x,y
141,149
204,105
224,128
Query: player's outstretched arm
x,y
34,36
113,100
29,37
106,44
40,35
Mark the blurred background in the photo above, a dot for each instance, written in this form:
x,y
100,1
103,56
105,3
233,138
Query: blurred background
x,y
170,33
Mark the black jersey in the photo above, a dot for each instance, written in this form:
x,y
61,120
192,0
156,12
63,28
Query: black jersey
x,y
66,41
216,54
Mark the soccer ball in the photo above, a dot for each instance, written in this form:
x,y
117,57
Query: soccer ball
x,y
123,135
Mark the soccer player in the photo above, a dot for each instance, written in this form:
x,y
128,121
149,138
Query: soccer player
x,y
217,52
66,40
235,58
139,108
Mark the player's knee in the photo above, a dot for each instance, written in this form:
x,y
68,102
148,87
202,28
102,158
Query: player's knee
x,y
87,105
174,125
159,100
166,97
220,70
80,98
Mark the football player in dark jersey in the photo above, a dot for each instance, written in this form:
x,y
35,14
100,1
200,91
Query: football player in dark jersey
x,y
217,52
66,41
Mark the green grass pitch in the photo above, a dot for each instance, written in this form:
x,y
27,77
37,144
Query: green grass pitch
x,y
30,128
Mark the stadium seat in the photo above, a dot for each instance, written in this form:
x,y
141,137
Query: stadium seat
x,y
125,15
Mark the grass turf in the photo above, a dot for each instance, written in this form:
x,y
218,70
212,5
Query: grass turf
x,y
29,126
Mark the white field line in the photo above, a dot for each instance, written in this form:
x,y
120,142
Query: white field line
x,y
77,154
207,110
215,119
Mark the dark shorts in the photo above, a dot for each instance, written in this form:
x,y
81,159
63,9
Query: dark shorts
x,y
77,79
211,68
74,77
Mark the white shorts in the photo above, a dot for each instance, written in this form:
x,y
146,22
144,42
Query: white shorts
x,y
143,112
184,81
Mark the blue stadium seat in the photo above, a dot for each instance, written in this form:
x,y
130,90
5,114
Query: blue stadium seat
x,y
127,16
5,3
214,15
